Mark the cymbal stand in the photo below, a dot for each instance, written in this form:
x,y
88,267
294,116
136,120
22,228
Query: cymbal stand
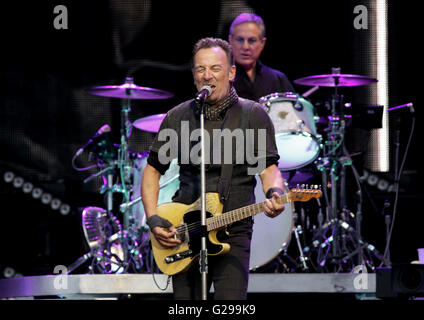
x,y
344,242
302,257
333,172
333,167
131,236
124,161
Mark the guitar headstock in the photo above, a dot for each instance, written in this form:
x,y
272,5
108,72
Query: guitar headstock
x,y
305,193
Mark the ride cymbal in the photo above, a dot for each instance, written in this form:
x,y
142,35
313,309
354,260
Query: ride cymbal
x,y
335,80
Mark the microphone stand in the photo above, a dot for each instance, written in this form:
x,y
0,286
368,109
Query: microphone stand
x,y
203,251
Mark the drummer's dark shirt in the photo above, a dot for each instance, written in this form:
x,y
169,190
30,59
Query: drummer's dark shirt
x,y
267,81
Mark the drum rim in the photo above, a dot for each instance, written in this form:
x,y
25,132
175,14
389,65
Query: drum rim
x,y
277,95
289,96
298,132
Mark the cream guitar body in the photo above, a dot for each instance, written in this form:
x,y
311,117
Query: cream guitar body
x,y
186,219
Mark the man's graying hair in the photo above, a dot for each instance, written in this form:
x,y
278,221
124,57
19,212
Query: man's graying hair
x,y
207,43
249,17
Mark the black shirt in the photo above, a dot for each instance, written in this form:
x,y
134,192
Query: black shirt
x,y
243,183
267,81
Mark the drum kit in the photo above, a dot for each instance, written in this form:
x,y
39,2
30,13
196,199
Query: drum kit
x,y
333,244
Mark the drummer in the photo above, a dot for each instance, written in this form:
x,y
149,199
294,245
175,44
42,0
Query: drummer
x,y
253,79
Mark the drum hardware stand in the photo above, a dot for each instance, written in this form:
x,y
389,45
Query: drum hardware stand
x,y
131,247
119,165
333,167
123,207
335,161
97,254
336,167
303,259
103,252
285,267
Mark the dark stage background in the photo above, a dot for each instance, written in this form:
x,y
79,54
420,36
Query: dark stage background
x,y
45,115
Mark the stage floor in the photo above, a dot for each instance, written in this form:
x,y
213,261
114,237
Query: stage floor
x,y
114,286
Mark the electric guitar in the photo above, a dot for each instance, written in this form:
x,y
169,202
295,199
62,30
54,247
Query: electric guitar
x,y
187,219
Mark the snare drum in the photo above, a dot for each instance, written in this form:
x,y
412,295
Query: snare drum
x,y
295,133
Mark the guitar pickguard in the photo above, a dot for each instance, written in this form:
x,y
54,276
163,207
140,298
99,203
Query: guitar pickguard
x,y
192,228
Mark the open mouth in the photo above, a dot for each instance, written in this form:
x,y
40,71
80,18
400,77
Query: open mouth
x,y
212,86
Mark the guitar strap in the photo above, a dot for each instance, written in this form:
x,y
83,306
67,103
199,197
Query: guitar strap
x,y
236,117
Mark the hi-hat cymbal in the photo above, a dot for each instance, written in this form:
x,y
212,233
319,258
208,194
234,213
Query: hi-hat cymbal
x,y
335,80
150,123
129,90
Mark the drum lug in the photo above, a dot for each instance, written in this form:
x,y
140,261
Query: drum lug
x,y
298,106
268,106
300,124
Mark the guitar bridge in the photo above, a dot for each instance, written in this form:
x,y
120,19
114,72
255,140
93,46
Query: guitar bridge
x,y
178,256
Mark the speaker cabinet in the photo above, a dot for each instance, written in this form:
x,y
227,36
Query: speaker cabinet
x,y
400,281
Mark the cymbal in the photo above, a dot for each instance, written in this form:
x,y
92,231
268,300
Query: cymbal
x,y
129,90
150,123
335,80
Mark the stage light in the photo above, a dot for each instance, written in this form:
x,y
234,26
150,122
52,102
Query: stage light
x,y
46,198
382,135
8,272
36,193
8,176
372,60
27,187
18,182
64,209
55,204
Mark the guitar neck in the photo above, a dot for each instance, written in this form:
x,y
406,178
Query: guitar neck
x,y
229,217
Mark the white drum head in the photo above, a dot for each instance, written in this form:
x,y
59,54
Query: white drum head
x,y
270,235
296,149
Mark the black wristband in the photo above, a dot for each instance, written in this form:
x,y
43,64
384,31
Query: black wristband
x,y
272,190
157,221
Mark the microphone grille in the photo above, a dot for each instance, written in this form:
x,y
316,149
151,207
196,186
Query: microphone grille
x,y
209,88
105,128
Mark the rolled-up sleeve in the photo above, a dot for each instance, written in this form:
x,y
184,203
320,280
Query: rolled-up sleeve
x,y
156,154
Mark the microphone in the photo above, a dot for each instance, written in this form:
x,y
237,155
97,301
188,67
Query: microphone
x,y
203,94
411,107
103,129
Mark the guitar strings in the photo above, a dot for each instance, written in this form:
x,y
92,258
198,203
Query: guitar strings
x,y
196,225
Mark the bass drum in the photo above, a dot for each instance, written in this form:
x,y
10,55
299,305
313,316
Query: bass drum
x,y
270,235
168,184
295,132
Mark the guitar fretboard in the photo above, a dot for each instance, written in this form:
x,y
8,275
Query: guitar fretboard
x,y
226,218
